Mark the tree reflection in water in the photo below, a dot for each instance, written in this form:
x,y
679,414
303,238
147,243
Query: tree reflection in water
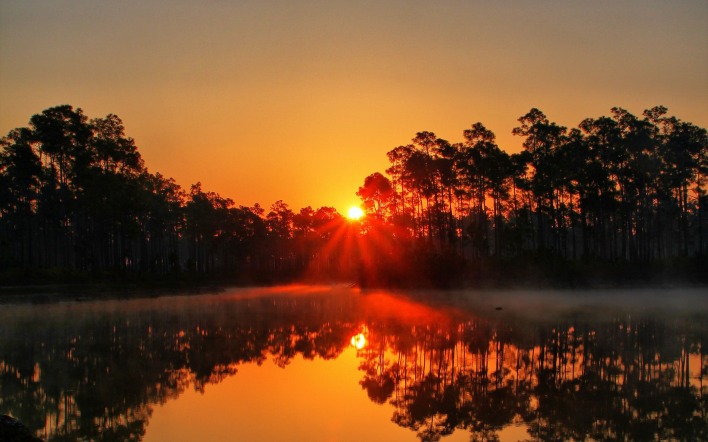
x,y
95,370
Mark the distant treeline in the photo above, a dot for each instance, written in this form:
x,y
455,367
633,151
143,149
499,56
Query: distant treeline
x,y
619,192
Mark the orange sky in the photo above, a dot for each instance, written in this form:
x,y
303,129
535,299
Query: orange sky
x,y
300,101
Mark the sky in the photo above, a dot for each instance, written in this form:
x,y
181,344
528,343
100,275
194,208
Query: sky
x,y
300,100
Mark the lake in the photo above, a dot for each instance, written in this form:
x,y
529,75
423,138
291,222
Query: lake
x,y
334,363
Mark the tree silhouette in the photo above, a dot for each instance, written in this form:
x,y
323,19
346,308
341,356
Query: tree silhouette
x,y
619,198
618,189
376,193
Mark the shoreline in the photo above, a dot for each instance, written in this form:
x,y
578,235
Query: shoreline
x,y
96,291
50,293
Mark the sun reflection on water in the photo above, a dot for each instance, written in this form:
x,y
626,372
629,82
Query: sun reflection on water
x,y
359,340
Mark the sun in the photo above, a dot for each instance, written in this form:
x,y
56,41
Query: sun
x,y
355,213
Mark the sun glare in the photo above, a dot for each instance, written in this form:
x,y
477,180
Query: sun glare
x,y
355,213
358,341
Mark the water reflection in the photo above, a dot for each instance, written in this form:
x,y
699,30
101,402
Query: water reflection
x,y
96,370
359,340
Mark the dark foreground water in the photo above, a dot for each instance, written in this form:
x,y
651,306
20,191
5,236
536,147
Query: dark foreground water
x,y
307,363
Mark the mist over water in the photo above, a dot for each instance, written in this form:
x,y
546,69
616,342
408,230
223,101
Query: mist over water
x,y
320,362
662,301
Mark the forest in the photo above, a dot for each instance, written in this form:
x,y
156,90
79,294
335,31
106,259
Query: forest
x,y
620,199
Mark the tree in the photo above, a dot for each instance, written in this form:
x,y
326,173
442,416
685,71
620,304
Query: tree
x,y
376,194
204,215
543,138
20,173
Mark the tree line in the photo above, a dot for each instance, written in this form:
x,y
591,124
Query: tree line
x,y
618,189
76,198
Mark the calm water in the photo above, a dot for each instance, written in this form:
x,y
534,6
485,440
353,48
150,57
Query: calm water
x,y
334,364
